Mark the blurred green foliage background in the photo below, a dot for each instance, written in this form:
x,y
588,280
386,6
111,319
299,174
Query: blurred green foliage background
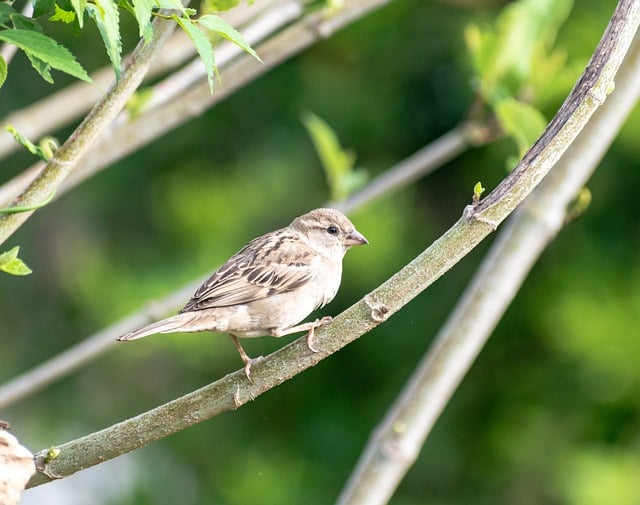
x,y
550,413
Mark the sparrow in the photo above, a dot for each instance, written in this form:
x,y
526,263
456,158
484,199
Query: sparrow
x,y
270,285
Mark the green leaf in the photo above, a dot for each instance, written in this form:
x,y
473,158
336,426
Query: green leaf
x,y
336,161
142,10
42,7
24,23
5,12
521,121
10,263
45,49
105,14
66,17
42,67
79,6
218,25
3,70
220,5
175,5
203,46
25,142
516,48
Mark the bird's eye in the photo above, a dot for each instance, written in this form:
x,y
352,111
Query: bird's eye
x,y
332,230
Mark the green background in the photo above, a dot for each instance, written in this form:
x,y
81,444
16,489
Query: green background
x,y
550,412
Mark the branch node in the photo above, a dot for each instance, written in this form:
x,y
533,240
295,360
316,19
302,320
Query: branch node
x,y
236,397
378,311
42,460
598,97
470,213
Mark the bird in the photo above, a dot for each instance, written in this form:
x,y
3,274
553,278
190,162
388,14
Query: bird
x,y
270,285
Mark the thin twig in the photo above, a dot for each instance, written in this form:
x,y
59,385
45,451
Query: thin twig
x,y
76,356
234,390
395,444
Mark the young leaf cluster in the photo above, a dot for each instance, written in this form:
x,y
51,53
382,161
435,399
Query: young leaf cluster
x,y
516,66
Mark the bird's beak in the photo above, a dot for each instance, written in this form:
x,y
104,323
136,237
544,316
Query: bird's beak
x,y
355,238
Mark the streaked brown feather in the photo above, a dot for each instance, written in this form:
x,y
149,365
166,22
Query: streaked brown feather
x,y
271,264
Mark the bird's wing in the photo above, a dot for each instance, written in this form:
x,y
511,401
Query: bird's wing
x,y
274,263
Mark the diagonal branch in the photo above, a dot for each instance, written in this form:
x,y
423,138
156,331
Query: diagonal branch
x,y
72,102
395,444
126,135
65,159
234,390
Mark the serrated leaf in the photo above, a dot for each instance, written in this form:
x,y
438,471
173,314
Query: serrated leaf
x,y
60,14
21,22
79,7
46,49
43,68
106,15
142,10
218,25
10,263
521,121
202,45
5,12
3,71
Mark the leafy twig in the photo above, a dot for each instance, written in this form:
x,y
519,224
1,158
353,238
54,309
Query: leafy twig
x,y
66,158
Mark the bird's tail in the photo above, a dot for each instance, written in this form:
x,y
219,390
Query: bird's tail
x,y
171,324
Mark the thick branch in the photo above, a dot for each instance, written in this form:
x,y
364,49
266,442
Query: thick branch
x,y
396,442
234,390
589,93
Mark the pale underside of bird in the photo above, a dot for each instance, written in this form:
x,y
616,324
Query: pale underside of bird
x,y
271,284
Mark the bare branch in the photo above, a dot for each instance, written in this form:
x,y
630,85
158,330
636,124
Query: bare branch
x,y
76,356
395,444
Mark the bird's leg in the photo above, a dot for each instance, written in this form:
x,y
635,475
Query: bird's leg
x,y
245,357
310,327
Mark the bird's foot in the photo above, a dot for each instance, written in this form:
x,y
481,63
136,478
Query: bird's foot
x,y
312,331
